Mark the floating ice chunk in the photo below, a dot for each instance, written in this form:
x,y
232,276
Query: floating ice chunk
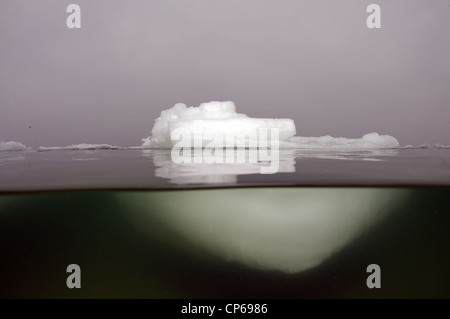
x,y
426,146
79,147
368,141
210,120
421,146
13,146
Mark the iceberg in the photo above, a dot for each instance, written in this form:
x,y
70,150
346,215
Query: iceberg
x,y
211,120
207,121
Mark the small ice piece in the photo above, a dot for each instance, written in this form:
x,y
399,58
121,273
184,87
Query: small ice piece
x,y
421,146
79,147
424,146
13,146
212,119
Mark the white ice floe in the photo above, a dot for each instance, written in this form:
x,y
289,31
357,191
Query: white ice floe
x,y
209,120
425,146
13,146
368,141
79,147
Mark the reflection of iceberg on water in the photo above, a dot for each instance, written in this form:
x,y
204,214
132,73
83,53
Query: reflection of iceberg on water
x,y
375,155
189,172
283,229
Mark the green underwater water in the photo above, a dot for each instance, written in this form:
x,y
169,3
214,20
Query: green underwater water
x,y
278,242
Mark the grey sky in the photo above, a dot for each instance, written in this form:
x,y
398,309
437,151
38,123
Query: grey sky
x,y
313,61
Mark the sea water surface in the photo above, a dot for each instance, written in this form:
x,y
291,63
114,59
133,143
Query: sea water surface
x,y
141,226
155,169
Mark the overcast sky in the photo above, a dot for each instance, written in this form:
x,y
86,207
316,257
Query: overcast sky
x,y
313,61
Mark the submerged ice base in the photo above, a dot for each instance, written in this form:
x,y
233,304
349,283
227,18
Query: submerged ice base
x,y
220,119
289,230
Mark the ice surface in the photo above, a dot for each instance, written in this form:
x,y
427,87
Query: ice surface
x,y
13,146
211,119
425,146
368,141
221,117
79,147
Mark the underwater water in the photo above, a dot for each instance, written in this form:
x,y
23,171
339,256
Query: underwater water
x,y
142,245
141,227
